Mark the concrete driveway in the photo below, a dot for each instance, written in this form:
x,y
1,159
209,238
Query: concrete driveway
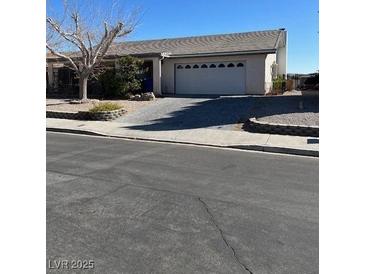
x,y
188,113
175,113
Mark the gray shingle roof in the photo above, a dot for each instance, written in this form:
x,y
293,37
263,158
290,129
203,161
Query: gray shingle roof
x,y
222,43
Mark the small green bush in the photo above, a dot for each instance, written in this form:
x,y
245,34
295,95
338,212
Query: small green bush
x,y
108,106
110,83
117,82
279,83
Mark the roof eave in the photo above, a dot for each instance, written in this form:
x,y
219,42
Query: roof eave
x,y
138,55
265,51
111,56
187,55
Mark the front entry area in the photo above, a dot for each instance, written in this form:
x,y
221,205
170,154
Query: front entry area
x,y
221,78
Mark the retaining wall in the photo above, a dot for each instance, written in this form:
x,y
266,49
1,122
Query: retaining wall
x,y
254,125
86,115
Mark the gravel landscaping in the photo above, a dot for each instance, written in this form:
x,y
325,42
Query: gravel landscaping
x,y
304,118
64,105
292,110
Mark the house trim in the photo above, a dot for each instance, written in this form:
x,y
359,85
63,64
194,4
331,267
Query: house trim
x,y
223,53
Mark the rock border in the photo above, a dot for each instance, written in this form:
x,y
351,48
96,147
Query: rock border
x,y
254,125
86,115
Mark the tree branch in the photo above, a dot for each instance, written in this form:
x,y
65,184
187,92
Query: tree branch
x,y
72,37
106,42
63,56
78,36
90,46
75,17
106,31
65,35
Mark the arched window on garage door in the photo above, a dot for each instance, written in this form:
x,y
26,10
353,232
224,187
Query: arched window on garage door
x,y
221,66
230,65
187,66
195,66
212,66
179,67
204,66
239,65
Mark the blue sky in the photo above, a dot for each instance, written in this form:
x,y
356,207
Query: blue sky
x,y
163,19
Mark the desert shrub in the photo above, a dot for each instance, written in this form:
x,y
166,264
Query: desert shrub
x,y
278,83
108,106
109,83
125,78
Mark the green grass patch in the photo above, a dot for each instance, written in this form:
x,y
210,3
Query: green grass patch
x,y
108,106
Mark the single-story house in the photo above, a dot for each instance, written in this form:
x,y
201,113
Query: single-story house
x,y
225,64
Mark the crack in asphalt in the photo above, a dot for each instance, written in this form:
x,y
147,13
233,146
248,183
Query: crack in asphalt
x,y
223,237
89,199
92,177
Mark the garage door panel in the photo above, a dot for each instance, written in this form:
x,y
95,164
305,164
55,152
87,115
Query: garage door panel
x,y
218,80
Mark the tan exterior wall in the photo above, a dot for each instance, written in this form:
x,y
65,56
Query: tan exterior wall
x,y
270,59
255,71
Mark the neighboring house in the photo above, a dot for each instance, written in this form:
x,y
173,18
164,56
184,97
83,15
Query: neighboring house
x,y
225,64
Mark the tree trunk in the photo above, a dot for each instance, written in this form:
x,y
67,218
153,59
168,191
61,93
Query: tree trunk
x,y
83,88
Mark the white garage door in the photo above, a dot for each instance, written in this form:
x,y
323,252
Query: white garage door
x,y
211,78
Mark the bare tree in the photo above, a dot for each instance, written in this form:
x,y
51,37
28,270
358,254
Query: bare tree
x,y
81,43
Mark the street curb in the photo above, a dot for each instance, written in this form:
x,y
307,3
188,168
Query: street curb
x,y
281,150
75,131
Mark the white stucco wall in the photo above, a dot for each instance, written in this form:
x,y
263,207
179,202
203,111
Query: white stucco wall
x,y
156,75
255,70
281,60
282,53
270,59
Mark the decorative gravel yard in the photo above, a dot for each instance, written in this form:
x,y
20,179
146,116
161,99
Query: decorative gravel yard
x,y
290,110
64,105
302,118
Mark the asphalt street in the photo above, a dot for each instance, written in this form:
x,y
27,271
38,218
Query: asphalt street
x,y
143,207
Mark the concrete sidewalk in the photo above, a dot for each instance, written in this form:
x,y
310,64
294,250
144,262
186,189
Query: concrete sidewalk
x,y
307,146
